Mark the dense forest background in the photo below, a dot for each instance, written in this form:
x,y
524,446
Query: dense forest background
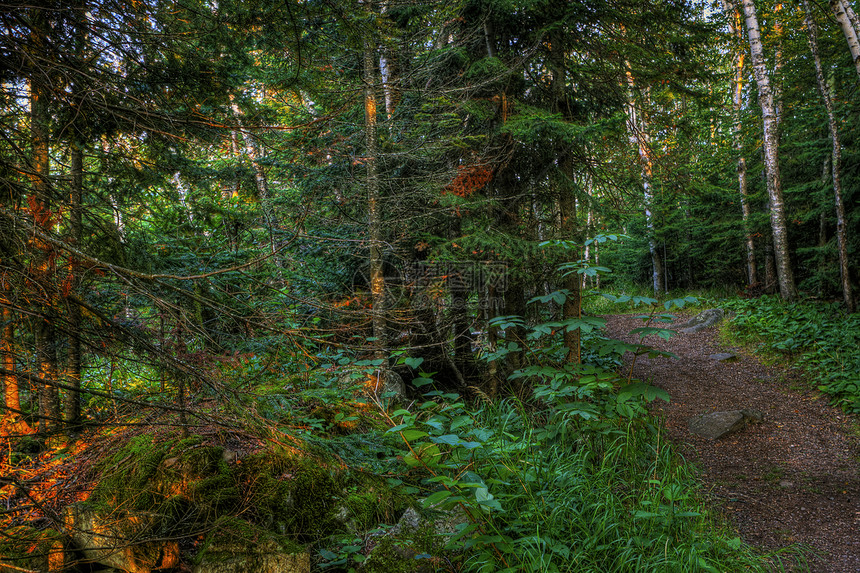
x,y
208,206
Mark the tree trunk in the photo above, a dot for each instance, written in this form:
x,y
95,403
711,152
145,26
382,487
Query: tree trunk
x,y
779,228
852,16
735,29
572,308
848,30
44,336
374,219
835,160
638,128
460,282
12,421
569,228
73,367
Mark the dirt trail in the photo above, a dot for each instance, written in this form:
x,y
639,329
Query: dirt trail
x,y
795,478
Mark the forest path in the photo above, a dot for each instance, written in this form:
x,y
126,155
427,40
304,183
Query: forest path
x,y
795,478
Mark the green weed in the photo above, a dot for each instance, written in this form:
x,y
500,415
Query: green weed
x,y
818,337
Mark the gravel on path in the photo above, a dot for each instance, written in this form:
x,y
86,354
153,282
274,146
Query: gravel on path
x,y
794,478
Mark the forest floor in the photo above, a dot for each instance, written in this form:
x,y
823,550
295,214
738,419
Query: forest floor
x,y
793,479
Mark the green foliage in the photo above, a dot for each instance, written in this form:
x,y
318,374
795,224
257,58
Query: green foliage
x,y
819,337
577,478
29,548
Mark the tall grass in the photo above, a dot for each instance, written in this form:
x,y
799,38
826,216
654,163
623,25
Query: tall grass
x,y
599,497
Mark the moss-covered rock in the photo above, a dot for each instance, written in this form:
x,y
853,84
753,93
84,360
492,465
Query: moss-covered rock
x,y
120,539
408,550
236,546
276,500
416,544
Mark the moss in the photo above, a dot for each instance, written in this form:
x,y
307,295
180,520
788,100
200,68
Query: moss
x,y
231,536
182,481
296,495
410,550
31,549
281,497
369,501
127,475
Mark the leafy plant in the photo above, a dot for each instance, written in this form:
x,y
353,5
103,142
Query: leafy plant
x,y
818,337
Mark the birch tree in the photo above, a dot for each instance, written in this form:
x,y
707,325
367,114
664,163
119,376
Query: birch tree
x,y
735,29
638,128
848,29
779,228
835,159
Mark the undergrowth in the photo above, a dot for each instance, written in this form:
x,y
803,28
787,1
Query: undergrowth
x,y
818,337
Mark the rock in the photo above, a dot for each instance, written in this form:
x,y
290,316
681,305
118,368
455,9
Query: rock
x,y
390,388
786,484
393,387
724,357
268,558
237,546
715,425
117,539
416,543
702,321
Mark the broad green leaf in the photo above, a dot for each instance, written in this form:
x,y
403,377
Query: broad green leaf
x,y
435,498
413,434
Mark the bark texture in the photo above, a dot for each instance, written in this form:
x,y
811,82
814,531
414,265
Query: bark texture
x,y
835,160
770,120
848,30
72,399
42,265
638,128
374,218
736,30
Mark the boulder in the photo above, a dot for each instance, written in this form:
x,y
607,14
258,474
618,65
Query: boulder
x,y
388,387
715,425
702,321
416,543
263,558
118,539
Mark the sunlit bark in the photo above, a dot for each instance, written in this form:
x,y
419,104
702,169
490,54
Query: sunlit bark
x,y
852,16
637,126
42,267
736,30
779,228
72,399
374,220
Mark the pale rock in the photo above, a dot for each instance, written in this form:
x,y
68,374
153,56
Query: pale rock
x,y
715,425
118,539
702,321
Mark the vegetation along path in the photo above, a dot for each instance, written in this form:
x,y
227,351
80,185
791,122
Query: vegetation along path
x,y
792,478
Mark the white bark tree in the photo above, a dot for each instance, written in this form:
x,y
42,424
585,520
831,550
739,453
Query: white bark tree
x,y
848,29
736,30
835,159
637,126
779,228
